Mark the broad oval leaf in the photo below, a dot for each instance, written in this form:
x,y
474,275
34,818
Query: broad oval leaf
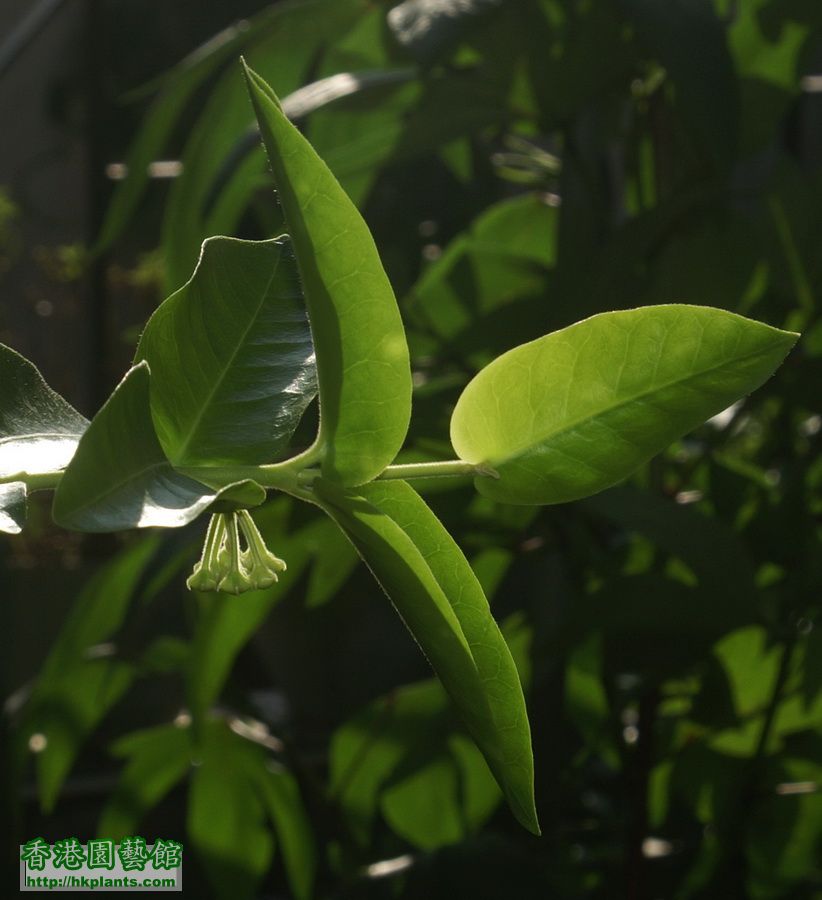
x,y
362,356
438,597
231,357
119,477
578,410
39,430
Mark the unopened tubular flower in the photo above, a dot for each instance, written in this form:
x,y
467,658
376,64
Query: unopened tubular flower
x,y
225,566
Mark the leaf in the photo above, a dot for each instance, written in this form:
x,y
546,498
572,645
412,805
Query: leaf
x,y
576,411
176,88
158,758
120,477
76,688
280,795
708,545
503,256
332,567
231,357
197,204
226,816
362,356
706,93
244,494
368,748
12,507
423,808
152,137
432,586
39,430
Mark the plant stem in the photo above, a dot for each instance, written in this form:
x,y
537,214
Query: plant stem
x,y
42,481
280,476
450,468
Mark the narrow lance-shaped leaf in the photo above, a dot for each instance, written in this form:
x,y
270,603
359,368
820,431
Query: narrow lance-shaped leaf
x,y
362,355
495,666
120,477
435,592
578,410
231,357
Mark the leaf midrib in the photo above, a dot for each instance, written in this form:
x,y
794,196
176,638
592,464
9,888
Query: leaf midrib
x,y
180,454
133,476
606,410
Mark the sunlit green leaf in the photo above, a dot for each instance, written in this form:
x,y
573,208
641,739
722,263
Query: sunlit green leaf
x,y
362,357
231,357
120,477
577,411
438,597
39,431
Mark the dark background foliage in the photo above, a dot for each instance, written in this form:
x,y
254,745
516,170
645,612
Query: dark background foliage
x,y
522,165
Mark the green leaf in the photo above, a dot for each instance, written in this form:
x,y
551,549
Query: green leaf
x,y
77,687
433,588
577,411
362,356
280,794
502,257
176,88
708,545
706,93
332,567
39,431
423,807
367,749
244,494
231,357
215,190
12,507
120,477
158,758
226,817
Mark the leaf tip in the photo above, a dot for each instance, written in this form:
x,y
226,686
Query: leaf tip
x,y
258,85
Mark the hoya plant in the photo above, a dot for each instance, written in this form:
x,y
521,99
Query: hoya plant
x,y
228,365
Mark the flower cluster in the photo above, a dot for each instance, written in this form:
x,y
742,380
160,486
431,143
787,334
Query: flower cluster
x,y
226,566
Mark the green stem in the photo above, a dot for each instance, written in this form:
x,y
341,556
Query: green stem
x,y
451,468
284,477
43,481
